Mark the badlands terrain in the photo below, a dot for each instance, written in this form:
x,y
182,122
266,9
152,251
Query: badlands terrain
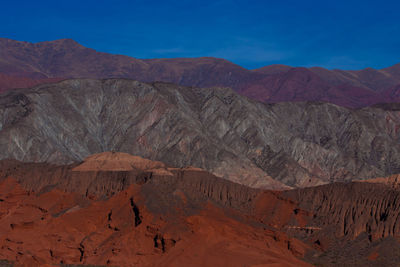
x,y
122,210
109,160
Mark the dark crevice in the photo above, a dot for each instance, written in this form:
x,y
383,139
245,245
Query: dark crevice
x,y
159,242
136,212
82,251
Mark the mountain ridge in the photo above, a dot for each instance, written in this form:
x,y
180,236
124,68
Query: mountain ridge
x,y
66,58
261,145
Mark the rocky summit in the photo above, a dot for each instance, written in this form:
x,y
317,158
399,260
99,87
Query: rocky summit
x,y
260,145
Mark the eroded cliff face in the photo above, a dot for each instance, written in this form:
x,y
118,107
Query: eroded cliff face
x,y
266,146
106,174
166,208
141,213
346,209
353,208
353,223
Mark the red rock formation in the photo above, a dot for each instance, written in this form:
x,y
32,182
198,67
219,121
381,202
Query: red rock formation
x,y
352,209
54,226
118,209
112,161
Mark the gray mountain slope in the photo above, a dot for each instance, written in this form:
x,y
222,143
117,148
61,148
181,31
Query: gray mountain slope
x,y
269,146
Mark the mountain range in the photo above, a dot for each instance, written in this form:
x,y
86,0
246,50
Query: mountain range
x,y
261,145
109,160
23,64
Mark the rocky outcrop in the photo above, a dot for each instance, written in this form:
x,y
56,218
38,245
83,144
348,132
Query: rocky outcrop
x,y
186,218
101,204
106,174
267,146
353,223
352,209
67,59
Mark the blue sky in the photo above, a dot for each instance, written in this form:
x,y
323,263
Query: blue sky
x,y
332,34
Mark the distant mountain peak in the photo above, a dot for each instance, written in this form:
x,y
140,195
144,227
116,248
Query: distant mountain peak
x,y
66,58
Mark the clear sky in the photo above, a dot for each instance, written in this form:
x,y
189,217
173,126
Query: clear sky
x,y
333,34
